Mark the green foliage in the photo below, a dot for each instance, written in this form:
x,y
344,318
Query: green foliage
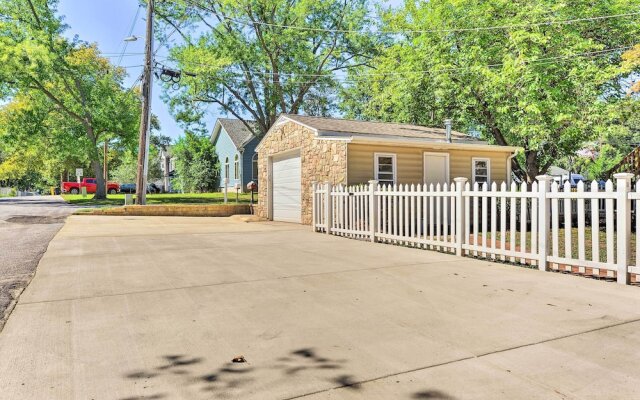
x,y
65,100
127,170
539,87
631,64
619,136
259,70
197,164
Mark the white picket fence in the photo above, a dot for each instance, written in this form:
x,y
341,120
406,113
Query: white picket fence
x,y
543,225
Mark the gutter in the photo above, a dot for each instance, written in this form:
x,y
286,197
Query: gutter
x,y
415,142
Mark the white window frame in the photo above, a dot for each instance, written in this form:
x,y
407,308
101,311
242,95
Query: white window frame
x,y
394,165
236,167
254,168
473,169
226,168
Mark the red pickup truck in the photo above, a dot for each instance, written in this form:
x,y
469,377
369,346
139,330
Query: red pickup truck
x,y
90,184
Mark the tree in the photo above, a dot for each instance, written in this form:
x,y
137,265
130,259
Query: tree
x,y
539,85
127,170
197,164
248,62
77,94
631,64
28,138
617,138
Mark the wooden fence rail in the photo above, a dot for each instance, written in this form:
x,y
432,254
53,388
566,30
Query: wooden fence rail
x,y
583,230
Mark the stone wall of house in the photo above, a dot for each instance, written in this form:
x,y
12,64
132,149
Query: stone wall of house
x,y
322,161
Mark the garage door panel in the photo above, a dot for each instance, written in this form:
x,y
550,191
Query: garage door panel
x,y
286,189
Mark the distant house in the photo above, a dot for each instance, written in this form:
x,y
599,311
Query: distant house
x,y
168,168
235,146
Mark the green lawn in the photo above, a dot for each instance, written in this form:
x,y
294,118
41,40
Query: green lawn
x,y
602,241
164,198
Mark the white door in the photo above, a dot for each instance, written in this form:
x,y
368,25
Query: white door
x,y
436,168
287,187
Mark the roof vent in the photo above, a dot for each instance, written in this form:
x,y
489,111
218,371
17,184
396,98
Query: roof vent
x,y
447,125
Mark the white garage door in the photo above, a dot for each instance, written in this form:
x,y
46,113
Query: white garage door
x,y
287,187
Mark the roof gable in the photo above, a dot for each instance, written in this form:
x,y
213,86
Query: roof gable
x,y
237,131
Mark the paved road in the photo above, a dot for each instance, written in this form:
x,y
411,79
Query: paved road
x,y
27,225
157,308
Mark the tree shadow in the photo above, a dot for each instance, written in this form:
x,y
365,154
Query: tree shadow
x,y
432,394
151,397
232,376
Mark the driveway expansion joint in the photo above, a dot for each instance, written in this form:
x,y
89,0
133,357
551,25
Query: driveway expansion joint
x,y
231,283
474,357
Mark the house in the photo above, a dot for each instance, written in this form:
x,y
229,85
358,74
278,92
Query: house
x,y
168,168
235,146
299,150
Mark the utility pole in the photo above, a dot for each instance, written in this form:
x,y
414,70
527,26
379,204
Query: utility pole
x,y
143,143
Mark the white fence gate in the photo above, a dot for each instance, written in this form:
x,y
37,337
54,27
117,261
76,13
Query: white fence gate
x,y
580,230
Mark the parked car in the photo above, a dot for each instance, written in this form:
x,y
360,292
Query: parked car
x,y
131,188
90,185
128,188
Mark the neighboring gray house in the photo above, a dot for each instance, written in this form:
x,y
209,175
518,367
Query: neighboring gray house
x,y
235,146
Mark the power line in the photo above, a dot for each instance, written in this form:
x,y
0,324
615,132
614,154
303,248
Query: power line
x,y
418,31
133,25
543,60
135,82
450,30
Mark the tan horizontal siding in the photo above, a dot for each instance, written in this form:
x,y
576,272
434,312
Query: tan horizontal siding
x,y
410,163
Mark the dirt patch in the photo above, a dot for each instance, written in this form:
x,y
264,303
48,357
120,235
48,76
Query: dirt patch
x,y
35,219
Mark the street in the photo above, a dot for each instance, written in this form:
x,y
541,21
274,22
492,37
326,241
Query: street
x,y
27,225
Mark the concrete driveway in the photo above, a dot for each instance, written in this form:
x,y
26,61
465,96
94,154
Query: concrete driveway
x,y
156,308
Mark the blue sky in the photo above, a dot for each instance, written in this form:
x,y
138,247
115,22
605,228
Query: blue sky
x,y
107,23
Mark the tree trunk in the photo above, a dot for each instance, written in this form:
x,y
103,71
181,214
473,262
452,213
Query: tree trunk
x,y
101,192
96,164
532,165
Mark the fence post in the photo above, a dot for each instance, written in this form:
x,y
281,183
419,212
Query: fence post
x,y
460,182
327,207
623,225
314,207
373,206
544,183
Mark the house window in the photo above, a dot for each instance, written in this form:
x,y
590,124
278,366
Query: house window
x,y
385,168
255,168
236,168
226,168
481,170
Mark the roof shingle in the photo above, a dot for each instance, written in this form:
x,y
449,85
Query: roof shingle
x,y
237,131
346,126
